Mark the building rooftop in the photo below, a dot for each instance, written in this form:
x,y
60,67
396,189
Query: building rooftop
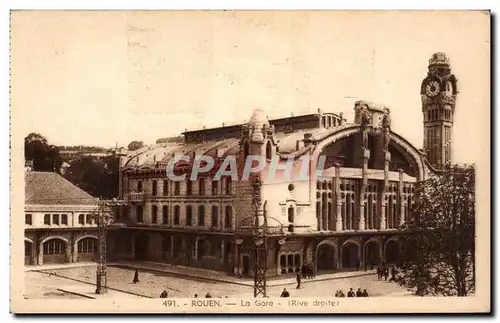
x,y
47,188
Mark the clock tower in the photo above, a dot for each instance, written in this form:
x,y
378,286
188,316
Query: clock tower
x,y
438,93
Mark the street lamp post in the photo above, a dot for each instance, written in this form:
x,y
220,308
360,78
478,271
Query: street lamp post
x,y
104,218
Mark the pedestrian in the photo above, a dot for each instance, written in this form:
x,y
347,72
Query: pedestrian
x,y
136,277
164,294
299,277
337,293
208,295
394,272
285,293
365,293
386,273
195,295
341,293
379,273
359,293
350,293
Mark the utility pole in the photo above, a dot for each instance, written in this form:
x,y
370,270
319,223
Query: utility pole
x,y
261,243
104,219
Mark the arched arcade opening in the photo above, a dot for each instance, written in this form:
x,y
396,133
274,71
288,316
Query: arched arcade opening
x,y
326,257
54,251
392,251
350,255
372,254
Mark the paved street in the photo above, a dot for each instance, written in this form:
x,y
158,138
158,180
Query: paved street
x,y
39,285
152,284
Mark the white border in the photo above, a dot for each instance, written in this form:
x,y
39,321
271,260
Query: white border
x,y
148,4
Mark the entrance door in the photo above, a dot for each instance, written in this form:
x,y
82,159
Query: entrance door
x,y
372,254
326,257
350,258
246,266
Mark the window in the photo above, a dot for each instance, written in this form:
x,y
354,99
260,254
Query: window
x,y
228,221
54,247
246,150
28,219
64,219
165,188
139,186
189,215
140,215
87,245
165,214
177,188
89,218
81,219
55,219
215,216
189,187
155,188
201,216
290,214
201,187
215,187
154,214
46,219
177,211
228,185
269,150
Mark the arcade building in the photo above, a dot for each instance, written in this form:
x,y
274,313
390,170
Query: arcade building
x,y
348,217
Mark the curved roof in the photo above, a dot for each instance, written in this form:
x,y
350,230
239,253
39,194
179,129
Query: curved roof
x,y
150,156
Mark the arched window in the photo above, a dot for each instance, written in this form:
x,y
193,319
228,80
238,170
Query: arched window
x,y
228,221
291,214
87,245
54,247
269,150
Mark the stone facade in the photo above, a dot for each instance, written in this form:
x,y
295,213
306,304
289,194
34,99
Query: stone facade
x,y
347,216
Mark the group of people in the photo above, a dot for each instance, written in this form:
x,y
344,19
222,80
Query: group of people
x,y
383,273
351,293
307,270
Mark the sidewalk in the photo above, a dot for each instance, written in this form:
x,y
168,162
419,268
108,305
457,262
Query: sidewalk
x,y
190,272
59,266
89,292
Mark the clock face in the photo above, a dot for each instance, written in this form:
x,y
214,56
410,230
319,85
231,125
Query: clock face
x,y
432,88
449,89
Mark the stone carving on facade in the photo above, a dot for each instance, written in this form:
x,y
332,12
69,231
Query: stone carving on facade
x,y
386,128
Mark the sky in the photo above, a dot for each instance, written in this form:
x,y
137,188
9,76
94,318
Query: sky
x,y
107,78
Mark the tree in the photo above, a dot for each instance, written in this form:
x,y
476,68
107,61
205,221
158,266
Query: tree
x,y
177,139
134,145
443,229
97,177
45,157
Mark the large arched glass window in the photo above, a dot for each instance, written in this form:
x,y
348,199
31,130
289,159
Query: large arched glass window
x,y
54,247
87,245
